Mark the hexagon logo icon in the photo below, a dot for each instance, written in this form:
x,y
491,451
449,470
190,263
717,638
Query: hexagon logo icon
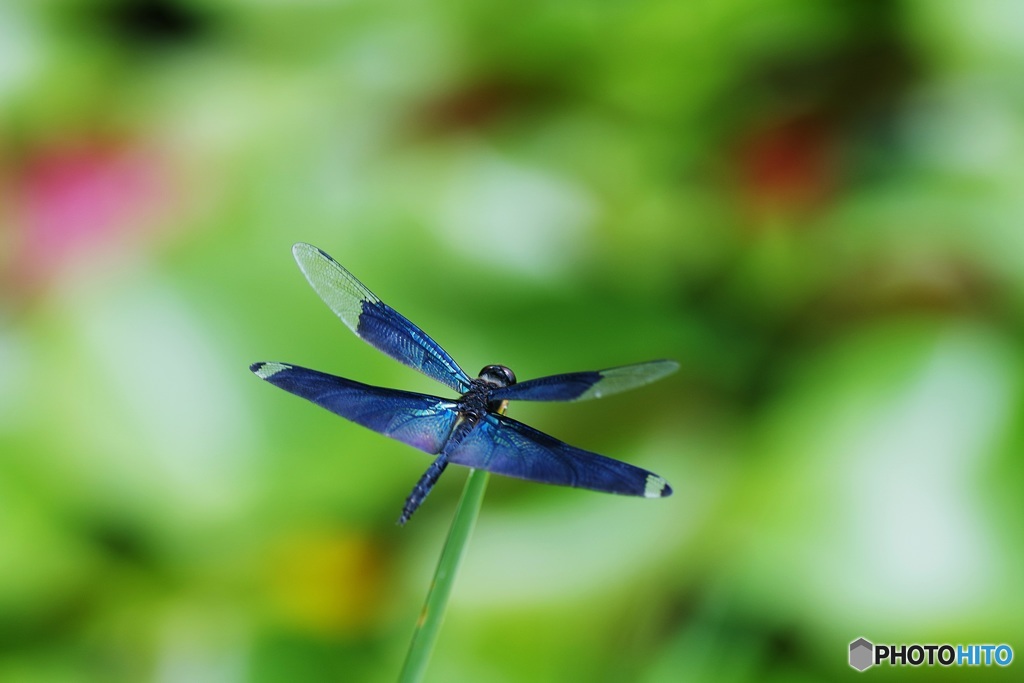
x,y
861,654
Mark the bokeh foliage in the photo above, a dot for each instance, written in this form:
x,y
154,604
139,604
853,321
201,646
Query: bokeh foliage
x,y
814,207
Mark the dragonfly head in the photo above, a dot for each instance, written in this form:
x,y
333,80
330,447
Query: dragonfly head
x,y
498,375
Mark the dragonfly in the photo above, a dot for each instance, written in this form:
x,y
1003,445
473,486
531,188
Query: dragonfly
x,y
471,430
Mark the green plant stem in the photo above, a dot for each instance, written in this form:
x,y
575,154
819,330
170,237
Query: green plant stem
x,y
429,624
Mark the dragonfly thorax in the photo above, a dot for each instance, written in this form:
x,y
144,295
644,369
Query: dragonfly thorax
x,y
477,400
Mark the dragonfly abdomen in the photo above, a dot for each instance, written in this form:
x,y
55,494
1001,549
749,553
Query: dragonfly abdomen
x,y
423,487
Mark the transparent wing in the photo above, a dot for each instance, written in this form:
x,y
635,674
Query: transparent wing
x,y
374,321
420,420
580,386
503,446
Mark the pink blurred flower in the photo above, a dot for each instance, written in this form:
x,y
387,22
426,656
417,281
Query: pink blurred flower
x,y
73,198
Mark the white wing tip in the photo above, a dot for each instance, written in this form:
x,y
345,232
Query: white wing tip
x,y
656,487
268,370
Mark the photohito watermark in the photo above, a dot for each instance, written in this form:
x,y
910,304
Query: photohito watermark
x,y
865,654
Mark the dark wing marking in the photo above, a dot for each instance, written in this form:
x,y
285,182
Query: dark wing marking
x,y
374,321
579,386
420,420
501,445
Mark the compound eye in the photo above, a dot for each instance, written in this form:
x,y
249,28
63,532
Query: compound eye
x,y
498,374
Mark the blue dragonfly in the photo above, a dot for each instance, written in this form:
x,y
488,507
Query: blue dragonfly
x,y
471,430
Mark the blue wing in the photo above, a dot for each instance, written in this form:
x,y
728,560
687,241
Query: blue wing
x,y
501,445
374,321
422,421
579,386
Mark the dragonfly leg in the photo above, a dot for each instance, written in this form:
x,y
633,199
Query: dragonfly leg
x,y
422,488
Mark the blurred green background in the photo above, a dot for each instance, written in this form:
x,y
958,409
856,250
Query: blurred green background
x,y
814,207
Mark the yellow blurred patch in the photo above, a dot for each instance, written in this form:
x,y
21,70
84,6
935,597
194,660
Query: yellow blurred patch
x,y
326,582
